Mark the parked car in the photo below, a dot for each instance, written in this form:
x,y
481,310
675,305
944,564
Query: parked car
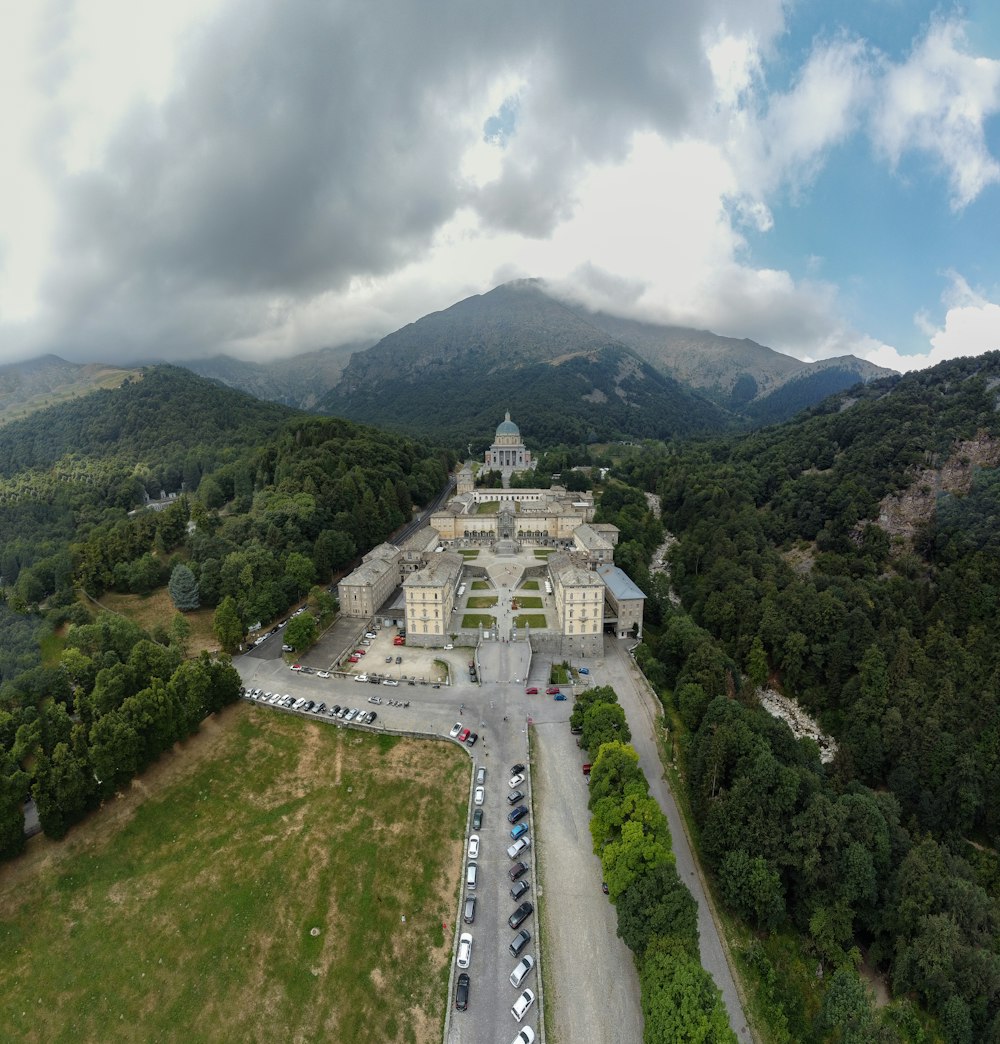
x,y
516,870
463,735
469,914
335,709
517,891
514,797
552,690
322,674
481,774
586,768
388,659
470,740
308,705
321,709
559,696
516,780
361,677
517,813
471,876
585,670
286,648
522,1004
519,942
455,729
520,972
296,667
399,659
518,847
299,704
480,795
477,819
520,915
462,992
370,634
515,769
526,1036
531,692
575,730
464,950
449,646
519,831
473,846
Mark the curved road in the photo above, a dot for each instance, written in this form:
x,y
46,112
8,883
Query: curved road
x,y
619,671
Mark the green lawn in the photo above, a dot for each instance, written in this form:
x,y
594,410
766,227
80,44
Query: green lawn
x,y
536,620
482,602
194,919
469,552
544,552
488,507
530,585
475,619
529,602
481,585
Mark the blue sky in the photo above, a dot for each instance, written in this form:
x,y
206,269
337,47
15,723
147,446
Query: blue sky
x,y
263,179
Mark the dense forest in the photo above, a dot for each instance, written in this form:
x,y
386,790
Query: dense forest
x,y
786,578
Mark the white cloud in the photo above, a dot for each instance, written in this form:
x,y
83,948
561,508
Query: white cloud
x,y
937,102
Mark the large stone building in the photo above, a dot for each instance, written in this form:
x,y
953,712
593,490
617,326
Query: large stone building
x,y
625,602
579,598
430,599
362,592
508,453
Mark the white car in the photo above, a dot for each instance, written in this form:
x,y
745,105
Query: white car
x,y
522,1004
518,975
516,781
322,674
299,704
526,1036
361,677
473,846
390,681
480,795
465,951
518,847
370,634
449,646
455,729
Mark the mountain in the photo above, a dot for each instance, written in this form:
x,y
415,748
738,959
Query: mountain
x,y
453,373
298,381
570,374
739,375
158,417
48,380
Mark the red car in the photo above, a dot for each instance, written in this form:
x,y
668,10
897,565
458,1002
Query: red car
x,y
360,652
552,690
463,735
531,692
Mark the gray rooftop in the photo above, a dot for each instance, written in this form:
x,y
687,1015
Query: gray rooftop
x,y
619,583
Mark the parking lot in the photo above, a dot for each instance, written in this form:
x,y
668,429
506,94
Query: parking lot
x,y
585,924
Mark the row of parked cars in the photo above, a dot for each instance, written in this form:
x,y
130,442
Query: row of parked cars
x,y
345,713
519,887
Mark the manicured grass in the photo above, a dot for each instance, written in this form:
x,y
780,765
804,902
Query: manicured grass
x,y
544,552
529,602
483,602
473,620
488,507
469,552
536,620
530,585
192,918
559,675
481,585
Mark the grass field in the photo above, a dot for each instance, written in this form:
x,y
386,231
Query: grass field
x,y
482,602
530,585
469,552
529,602
273,880
475,619
535,620
157,609
544,552
481,585
488,507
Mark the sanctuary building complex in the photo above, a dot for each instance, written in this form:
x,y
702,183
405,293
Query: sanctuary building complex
x,y
542,543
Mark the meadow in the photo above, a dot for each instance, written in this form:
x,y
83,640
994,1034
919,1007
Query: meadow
x,y
273,879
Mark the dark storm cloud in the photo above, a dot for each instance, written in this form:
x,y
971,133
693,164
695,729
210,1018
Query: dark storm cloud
x,y
307,144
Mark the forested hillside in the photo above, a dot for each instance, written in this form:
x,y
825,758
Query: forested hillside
x,y
787,577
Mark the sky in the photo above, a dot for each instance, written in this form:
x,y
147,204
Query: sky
x,y
260,178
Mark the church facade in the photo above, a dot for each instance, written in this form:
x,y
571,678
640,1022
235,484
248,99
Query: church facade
x,y
508,452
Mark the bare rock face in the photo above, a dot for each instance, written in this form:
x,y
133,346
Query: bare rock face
x,y
901,513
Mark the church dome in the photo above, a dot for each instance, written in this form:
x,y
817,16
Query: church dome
x,y
507,426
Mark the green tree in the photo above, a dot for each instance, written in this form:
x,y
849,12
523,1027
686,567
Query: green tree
x,y
757,668
680,1003
636,851
604,723
183,589
615,767
657,903
180,633
752,888
301,571
227,625
301,632
13,791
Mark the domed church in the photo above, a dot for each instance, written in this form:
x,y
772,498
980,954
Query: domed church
x,y
508,453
